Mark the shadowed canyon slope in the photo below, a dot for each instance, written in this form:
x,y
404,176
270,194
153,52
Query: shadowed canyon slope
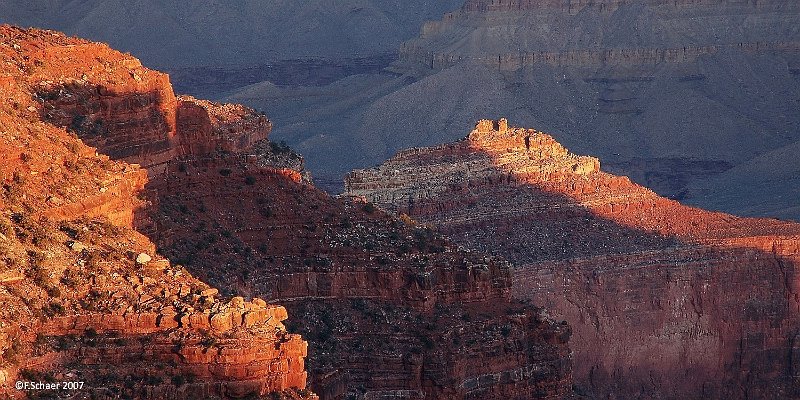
x,y
389,307
211,47
84,296
665,92
665,300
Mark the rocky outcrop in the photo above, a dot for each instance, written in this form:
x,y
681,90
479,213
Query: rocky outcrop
x,y
128,112
205,127
665,300
84,297
638,84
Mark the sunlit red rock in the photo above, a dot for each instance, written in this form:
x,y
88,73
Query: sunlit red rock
x,y
82,295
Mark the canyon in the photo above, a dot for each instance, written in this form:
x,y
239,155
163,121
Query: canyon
x,y
604,77
375,295
162,246
148,240
665,300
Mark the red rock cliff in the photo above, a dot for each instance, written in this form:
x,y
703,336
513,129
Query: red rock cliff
x,y
83,296
666,300
126,111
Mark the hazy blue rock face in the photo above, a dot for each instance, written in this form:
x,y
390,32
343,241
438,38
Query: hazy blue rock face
x,y
165,33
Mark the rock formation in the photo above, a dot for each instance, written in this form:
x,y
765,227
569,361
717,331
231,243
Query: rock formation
x,y
665,300
83,296
609,77
575,6
130,113
514,49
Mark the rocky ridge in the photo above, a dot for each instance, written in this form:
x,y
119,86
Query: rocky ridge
x,y
130,113
666,301
84,296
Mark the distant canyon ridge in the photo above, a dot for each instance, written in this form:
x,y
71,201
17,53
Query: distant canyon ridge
x,y
695,99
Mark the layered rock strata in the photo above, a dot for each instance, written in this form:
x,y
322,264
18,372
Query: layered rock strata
x,y
645,85
123,109
575,6
84,297
502,33
666,301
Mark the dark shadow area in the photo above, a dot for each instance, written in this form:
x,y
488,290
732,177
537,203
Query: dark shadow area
x,y
653,316
668,176
123,125
387,306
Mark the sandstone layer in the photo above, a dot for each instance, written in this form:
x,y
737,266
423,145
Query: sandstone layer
x,y
131,113
83,296
665,300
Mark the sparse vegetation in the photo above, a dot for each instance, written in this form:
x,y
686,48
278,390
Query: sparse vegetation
x,y
368,208
505,330
281,148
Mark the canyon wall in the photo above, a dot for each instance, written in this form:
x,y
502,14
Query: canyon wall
x,y
85,297
650,87
503,34
664,92
665,300
628,57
